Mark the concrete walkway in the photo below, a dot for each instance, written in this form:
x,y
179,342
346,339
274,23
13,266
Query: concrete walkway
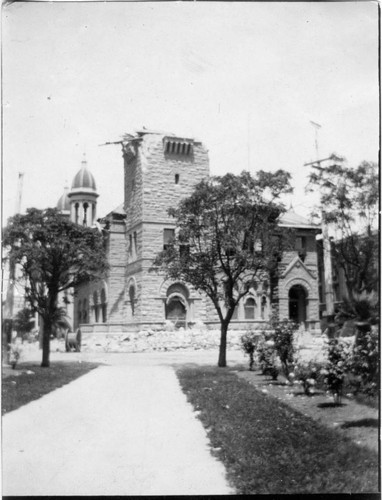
x,y
122,429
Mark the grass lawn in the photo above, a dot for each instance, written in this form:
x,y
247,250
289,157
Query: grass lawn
x,y
21,387
269,448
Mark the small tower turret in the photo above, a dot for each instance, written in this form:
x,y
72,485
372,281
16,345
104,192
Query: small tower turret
x,y
83,197
63,204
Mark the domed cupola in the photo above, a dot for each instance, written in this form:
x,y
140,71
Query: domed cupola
x,y
63,204
83,197
84,179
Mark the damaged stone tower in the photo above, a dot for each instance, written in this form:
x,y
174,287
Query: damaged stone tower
x,y
160,170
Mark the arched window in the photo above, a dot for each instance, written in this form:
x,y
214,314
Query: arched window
x,y
132,299
85,312
79,312
263,306
85,221
249,308
103,306
96,307
76,213
176,178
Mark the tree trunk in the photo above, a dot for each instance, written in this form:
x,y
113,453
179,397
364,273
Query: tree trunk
x,y
46,343
223,345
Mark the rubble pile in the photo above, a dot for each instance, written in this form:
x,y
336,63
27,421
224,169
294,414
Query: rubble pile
x,y
151,341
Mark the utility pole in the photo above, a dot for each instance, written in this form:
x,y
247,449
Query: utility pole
x,y
328,271
248,142
9,299
19,193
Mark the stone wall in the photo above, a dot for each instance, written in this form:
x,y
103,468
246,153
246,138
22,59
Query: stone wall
x,y
294,271
163,340
116,277
155,180
160,190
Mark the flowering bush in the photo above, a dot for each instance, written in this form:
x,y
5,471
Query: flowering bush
x,y
308,374
267,357
365,361
284,333
339,359
248,343
15,352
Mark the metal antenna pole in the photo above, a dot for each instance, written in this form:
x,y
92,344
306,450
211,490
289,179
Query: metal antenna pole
x,y
317,127
328,271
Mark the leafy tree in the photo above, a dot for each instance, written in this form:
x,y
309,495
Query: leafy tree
x,y
24,321
227,235
54,255
350,197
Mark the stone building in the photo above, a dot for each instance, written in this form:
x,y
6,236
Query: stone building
x,y
159,170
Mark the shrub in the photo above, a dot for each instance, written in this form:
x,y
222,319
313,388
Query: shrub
x,y
339,354
365,361
15,352
267,357
363,307
284,333
249,343
308,374
24,322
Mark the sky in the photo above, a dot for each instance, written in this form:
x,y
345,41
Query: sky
x,y
244,78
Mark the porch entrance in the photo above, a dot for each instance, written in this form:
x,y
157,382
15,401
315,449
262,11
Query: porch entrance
x,y
297,304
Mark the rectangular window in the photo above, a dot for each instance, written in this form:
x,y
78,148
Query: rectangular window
x,y
184,250
301,243
130,245
135,244
168,237
248,243
300,246
230,252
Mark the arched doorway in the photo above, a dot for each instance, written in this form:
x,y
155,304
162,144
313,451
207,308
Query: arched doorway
x,y
176,312
176,305
297,304
96,307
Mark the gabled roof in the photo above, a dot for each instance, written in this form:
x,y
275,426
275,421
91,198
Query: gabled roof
x,y
118,211
297,262
291,219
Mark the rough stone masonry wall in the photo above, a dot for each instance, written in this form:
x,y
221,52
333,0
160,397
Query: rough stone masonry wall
x,y
158,173
116,280
298,275
150,190
133,190
167,339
